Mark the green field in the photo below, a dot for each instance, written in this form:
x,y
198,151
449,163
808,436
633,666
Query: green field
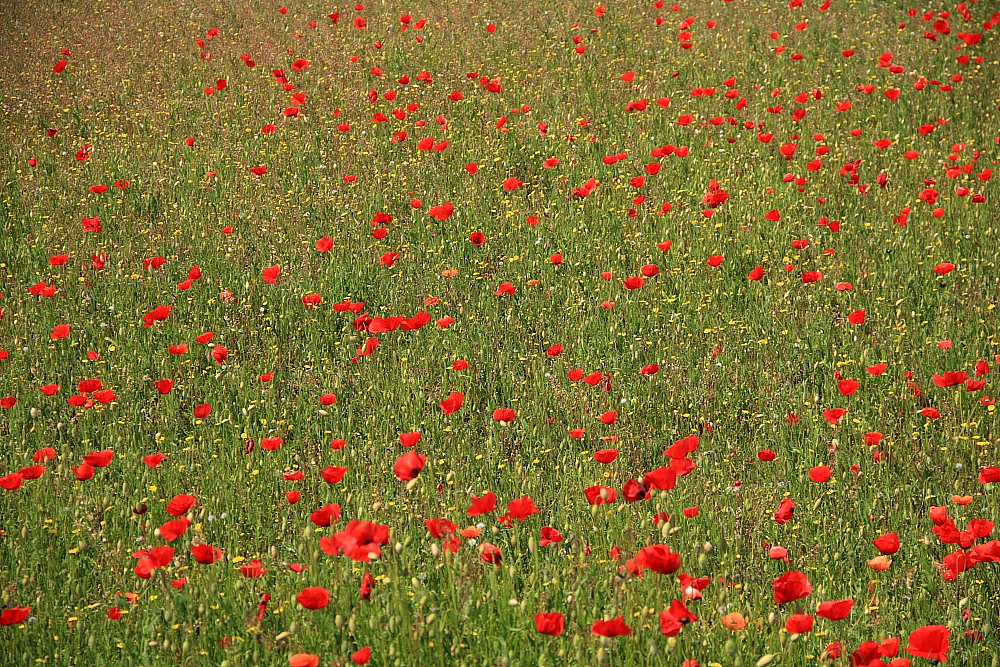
x,y
286,293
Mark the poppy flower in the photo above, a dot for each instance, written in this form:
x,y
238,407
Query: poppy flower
x,y
658,558
791,586
635,282
325,515
616,627
734,621
887,544
453,403
521,508
180,504
820,474
487,503
270,274
785,511
202,411
36,471
271,444
599,495
409,465
12,481
490,553
835,610
798,624
409,439
14,615
303,660
930,641
99,459
253,570
361,656
606,455
879,563
811,277
551,624
944,268
504,415
205,554
549,536
314,597
333,474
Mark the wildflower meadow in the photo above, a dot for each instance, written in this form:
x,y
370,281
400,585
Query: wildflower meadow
x,y
499,334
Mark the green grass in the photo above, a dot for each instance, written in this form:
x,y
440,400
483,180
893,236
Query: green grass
x,y
736,357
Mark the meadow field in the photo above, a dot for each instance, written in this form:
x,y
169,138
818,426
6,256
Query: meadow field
x,y
499,334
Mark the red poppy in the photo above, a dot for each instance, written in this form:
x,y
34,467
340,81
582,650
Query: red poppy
x,y
599,495
314,597
521,508
504,415
253,570
409,439
613,628
99,459
786,509
606,455
791,586
930,641
409,465
484,505
658,558
453,403
552,623
361,656
271,444
180,504
635,282
549,536
798,624
333,474
325,515
205,554
490,553
12,481
674,618
887,544
820,474
14,615
835,610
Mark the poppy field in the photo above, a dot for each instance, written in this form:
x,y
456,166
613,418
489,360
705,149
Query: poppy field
x,y
499,335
